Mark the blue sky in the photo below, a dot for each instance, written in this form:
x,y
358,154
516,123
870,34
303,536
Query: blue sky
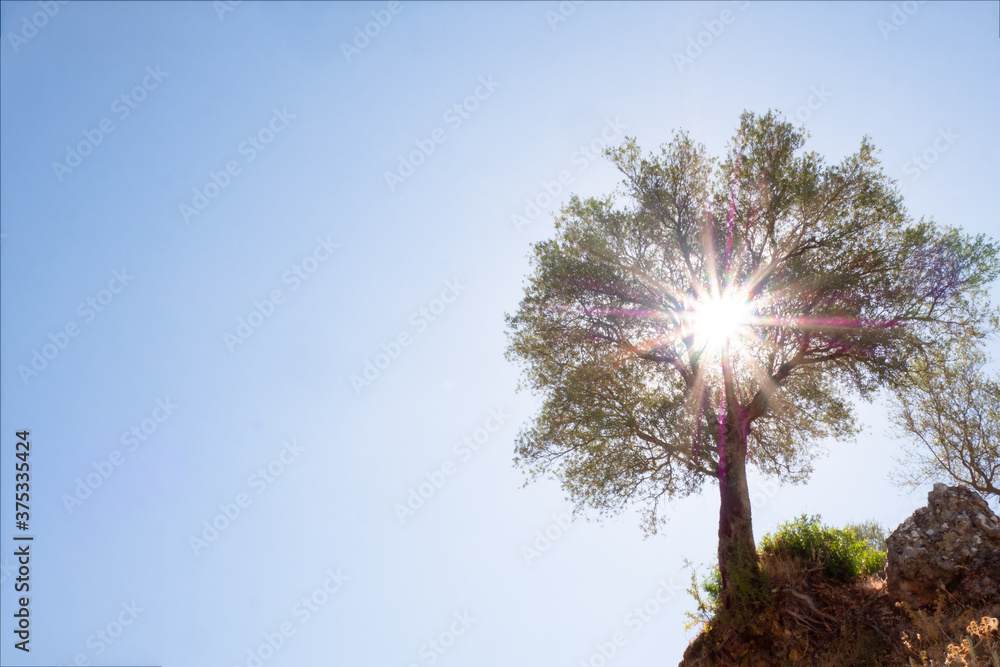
x,y
219,164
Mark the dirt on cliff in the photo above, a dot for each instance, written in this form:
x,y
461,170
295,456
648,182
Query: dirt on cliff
x,y
816,621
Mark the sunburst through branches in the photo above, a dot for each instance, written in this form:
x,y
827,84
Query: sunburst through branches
x,y
718,322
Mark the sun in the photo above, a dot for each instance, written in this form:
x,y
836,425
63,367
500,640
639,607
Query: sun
x,y
718,320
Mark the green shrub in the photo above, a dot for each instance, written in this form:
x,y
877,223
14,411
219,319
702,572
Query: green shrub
x,y
844,553
872,561
840,551
871,532
707,605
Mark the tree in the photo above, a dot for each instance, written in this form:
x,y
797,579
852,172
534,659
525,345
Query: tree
x,y
722,318
952,417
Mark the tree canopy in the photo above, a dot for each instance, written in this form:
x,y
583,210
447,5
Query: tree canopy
x,y
717,313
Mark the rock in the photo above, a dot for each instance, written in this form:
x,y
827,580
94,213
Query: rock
x,y
953,543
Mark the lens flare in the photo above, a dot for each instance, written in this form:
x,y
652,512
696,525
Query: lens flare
x,y
716,321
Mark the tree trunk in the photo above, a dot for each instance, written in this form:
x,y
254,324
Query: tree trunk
x,y
742,583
